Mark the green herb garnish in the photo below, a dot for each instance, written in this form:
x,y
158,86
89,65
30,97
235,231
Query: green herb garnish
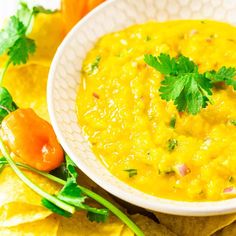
x,y
95,65
131,172
233,122
55,204
172,144
231,179
7,105
15,43
173,122
224,74
13,37
184,85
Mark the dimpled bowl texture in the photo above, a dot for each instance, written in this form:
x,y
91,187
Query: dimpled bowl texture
x,y
64,79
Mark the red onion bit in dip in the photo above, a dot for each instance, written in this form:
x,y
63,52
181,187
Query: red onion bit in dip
x,y
182,169
230,190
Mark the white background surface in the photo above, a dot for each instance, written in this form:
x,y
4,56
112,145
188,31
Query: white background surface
x,y
8,7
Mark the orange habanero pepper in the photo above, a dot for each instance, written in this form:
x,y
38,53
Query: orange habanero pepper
x,y
32,139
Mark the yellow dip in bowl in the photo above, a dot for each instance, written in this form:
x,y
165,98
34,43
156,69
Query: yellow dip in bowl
x,y
144,140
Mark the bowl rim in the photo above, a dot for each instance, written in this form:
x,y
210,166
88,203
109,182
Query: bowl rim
x,y
169,206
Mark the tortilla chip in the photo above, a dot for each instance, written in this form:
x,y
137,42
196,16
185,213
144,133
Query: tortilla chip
x,y
79,225
11,183
15,213
148,226
46,227
48,32
18,203
195,226
229,230
27,85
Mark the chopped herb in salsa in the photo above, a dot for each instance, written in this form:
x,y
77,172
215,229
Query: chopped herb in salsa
x,y
131,172
172,144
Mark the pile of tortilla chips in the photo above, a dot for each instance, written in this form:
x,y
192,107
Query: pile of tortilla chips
x,y
21,212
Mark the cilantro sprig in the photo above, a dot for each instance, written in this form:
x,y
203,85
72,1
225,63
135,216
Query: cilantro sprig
x,y
224,74
65,208
13,37
183,84
15,43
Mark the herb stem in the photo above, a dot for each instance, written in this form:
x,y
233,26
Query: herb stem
x,y
114,210
45,174
29,23
33,186
89,193
3,72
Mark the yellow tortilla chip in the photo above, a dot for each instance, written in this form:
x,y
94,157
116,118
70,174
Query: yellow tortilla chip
x,y
46,227
148,226
195,226
48,32
79,225
18,203
15,213
11,183
27,85
229,230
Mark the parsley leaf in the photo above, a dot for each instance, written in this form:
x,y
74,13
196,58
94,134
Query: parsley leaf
x,y
182,82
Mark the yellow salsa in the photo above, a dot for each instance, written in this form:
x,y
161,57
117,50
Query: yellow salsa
x,y
174,155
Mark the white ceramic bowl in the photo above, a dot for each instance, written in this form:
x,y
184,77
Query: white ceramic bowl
x,y
64,79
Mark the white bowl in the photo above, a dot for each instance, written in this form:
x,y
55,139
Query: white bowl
x,y
64,79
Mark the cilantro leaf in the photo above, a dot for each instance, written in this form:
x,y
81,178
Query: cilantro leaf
x,y
40,9
224,74
24,13
71,167
13,37
7,104
233,122
97,217
2,159
164,64
19,52
60,172
72,194
11,33
54,208
182,82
